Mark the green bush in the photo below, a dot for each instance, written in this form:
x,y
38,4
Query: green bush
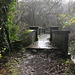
x,y
72,47
25,37
12,33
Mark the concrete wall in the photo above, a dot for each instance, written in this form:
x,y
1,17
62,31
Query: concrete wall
x,y
36,28
26,40
30,38
52,28
60,40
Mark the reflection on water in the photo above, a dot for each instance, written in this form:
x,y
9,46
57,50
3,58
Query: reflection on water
x,y
73,58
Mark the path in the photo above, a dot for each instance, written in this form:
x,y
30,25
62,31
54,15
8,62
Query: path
x,y
46,61
41,58
41,64
42,43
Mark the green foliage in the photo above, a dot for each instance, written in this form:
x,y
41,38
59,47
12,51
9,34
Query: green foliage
x,y
3,50
25,34
9,28
12,32
0,55
69,67
26,38
38,37
66,19
68,74
68,23
62,15
13,28
27,31
68,61
72,47
43,5
7,64
11,64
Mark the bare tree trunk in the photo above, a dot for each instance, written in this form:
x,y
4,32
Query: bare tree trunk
x,y
33,19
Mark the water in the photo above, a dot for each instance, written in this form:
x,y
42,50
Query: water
x,y
73,58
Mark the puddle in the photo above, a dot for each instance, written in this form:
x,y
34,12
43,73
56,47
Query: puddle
x,y
73,58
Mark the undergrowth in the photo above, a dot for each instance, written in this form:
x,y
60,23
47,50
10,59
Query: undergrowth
x,y
8,65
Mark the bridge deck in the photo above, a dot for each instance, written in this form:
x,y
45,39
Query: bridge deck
x,y
42,43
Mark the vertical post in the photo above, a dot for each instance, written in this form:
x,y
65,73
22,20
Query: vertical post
x,y
35,28
40,30
52,28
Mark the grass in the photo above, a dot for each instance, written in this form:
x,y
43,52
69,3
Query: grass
x,y
10,66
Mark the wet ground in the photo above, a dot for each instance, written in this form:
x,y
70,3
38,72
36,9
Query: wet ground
x,y
73,58
41,63
41,58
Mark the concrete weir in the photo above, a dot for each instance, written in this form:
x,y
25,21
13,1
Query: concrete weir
x,y
42,43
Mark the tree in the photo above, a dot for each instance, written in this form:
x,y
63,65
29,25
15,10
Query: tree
x,y
4,29
39,12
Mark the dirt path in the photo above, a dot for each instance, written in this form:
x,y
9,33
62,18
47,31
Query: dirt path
x,y
41,63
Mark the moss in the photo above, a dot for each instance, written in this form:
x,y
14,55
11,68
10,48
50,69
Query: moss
x,y
25,34
26,37
28,31
0,28
33,40
38,37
